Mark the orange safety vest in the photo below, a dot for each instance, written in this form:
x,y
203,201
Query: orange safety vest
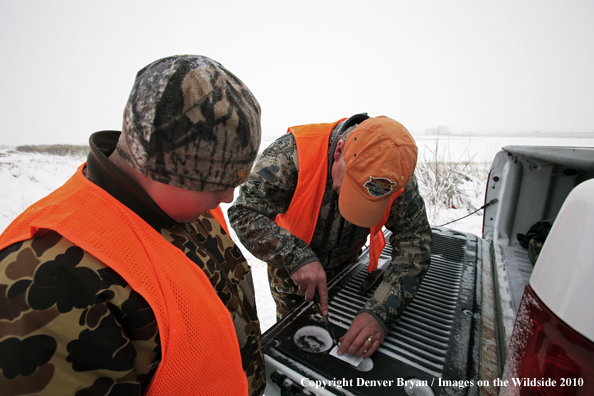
x,y
302,215
200,351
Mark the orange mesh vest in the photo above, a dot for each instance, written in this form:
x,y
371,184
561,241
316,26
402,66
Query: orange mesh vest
x,y
302,215
220,218
200,350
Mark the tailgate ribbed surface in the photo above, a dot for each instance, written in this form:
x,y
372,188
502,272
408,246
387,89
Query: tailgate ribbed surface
x,y
437,335
423,335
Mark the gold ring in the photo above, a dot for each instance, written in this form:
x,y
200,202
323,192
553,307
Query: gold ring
x,y
370,340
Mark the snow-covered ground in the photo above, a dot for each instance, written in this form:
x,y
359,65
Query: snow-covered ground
x,y
25,178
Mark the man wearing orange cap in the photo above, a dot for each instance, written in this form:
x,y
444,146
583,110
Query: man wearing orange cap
x,y
314,197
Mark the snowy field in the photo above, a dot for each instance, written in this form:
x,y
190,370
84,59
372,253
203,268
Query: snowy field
x,y
25,178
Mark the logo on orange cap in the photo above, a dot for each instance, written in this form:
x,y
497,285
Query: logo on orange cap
x,y
379,186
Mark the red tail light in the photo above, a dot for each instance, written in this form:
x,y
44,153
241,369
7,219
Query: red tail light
x,y
545,356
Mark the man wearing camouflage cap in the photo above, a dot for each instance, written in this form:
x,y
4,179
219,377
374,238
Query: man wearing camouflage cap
x,y
124,280
314,197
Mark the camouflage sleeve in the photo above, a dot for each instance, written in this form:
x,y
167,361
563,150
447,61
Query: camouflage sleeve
x,y
71,325
411,249
267,193
208,245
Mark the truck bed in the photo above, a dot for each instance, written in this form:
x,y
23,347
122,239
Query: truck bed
x,y
528,184
436,343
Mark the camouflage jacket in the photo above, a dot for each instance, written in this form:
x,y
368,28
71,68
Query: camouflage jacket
x,y
336,242
69,324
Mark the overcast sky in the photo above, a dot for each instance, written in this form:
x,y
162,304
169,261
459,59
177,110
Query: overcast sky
x,y
67,67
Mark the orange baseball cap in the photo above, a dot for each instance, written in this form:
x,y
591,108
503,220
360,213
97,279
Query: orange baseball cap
x,y
380,157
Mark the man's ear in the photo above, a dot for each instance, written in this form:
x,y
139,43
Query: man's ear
x,y
339,150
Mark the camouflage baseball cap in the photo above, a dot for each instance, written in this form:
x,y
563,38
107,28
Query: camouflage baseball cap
x,y
191,123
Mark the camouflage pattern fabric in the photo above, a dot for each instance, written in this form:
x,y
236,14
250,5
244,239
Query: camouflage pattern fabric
x,y
191,123
336,242
70,325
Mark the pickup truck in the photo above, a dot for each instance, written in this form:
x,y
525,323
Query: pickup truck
x,y
503,313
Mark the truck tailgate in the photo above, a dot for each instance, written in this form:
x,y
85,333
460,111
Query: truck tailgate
x,y
436,345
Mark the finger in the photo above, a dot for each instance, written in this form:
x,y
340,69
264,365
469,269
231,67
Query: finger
x,y
296,281
309,292
298,284
371,350
359,346
303,287
323,293
367,346
347,341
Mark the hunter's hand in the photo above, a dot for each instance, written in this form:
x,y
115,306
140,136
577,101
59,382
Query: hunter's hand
x,y
356,341
308,278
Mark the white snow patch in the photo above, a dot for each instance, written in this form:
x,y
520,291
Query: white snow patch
x,y
313,339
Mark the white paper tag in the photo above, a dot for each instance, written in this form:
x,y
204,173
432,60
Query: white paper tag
x,y
352,360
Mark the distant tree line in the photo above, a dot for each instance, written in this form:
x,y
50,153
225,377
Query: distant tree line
x,y
56,149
